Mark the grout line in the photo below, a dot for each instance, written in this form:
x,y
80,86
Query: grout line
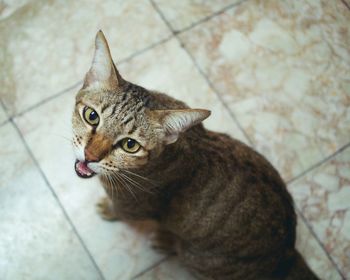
x,y
212,87
128,58
315,236
174,34
137,53
46,100
2,105
4,123
315,166
151,267
209,17
312,167
57,199
124,60
346,3
203,74
233,116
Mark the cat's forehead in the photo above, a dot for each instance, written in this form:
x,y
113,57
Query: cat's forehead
x,y
121,111
128,96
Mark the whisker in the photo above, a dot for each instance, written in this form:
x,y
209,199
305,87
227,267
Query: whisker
x,y
125,185
114,183
129,179
109,183
131,191
135,183
111,187
117,183
140,176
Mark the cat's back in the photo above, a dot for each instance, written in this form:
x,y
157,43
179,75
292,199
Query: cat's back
x,y
236,201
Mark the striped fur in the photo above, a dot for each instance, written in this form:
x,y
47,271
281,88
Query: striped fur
x,y
219,205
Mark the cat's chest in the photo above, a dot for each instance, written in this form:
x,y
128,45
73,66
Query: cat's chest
x,y
130,201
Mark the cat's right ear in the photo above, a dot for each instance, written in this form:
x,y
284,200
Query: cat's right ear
x,y
103,73
174,122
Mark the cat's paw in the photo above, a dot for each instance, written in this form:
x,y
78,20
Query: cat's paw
x,y
106,210
164,242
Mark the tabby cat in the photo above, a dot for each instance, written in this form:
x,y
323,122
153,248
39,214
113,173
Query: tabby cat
x,y
220,206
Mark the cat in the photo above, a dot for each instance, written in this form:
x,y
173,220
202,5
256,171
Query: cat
x,y
220,206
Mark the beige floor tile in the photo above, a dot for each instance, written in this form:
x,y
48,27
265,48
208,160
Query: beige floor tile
x,y
346,3
167,68
36,241
46,46
170,269
47,130
323,195
283,68
3,116
314,254
183,13
119,251
8,7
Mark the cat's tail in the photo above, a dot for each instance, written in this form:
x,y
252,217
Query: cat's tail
x,y
299,270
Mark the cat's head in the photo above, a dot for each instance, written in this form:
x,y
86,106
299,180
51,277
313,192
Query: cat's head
x,y
113,127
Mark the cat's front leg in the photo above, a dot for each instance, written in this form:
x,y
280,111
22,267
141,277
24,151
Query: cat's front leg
x,y
106,210
164,241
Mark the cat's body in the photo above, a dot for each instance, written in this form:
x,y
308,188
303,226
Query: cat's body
x,y
229,210
220,206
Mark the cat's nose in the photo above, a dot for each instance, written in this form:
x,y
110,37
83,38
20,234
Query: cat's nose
x,y
97,147
90,156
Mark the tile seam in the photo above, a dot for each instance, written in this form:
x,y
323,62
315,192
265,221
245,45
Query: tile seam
x,y
5,112
151,267
209,83
245,134
318,164
67,89
306,221
207,18
4,123
347,5
53,193
315,236
46,100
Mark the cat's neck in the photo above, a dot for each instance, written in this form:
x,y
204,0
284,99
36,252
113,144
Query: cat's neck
x,y
179,161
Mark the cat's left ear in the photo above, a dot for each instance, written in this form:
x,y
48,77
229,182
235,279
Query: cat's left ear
x,y
175,122
103,72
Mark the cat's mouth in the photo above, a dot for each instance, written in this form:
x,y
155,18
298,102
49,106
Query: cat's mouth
x,y
83,170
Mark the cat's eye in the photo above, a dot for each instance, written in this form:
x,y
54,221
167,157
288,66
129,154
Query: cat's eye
x,y
130,145
90,116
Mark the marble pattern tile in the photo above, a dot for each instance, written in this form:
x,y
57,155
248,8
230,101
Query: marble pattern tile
x,y
346,3
183,13
3,116
173,73
170,269
314,254
8,7
46,46
36,241
306,244
283,69
323,195
120,250
118,243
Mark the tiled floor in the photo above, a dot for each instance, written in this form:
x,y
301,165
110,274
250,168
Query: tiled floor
x,y
276,75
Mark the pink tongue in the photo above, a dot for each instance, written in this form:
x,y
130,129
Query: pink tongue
x,y
83,168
